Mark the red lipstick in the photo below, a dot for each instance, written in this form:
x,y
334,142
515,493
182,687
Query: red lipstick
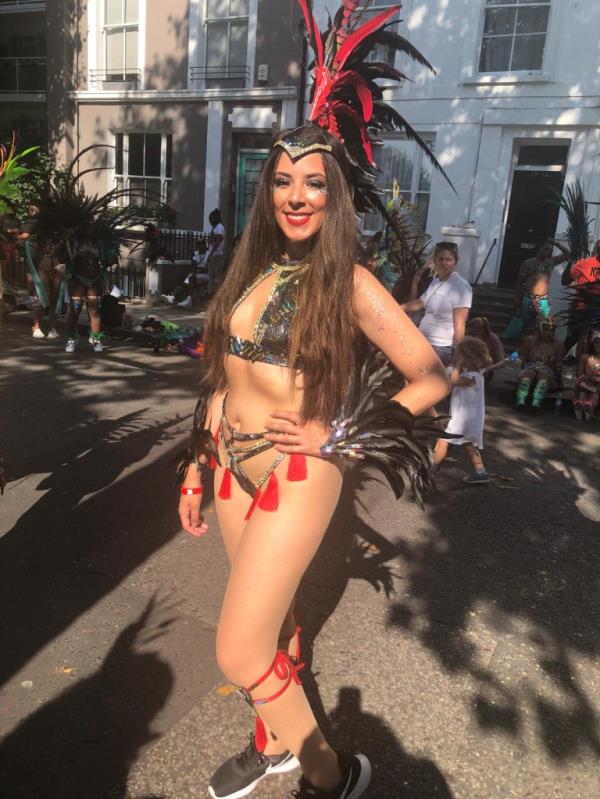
x,y
298,220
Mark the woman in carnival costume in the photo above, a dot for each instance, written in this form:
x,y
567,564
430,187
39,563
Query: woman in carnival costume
x,y
90,231
286,339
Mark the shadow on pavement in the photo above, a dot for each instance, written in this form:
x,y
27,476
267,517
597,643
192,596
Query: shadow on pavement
x,y
395,772
84,742
521,556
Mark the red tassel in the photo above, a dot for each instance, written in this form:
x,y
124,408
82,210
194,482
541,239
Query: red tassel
x,y
225,490
297,470
260,735
270,498
253,505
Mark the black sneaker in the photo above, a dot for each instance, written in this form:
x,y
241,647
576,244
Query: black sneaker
x,y
356,776
240,775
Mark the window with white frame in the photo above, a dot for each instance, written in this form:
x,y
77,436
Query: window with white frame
x,y
226,23
514,35
143,167
120,32
404,161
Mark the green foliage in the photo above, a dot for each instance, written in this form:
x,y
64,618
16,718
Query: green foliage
x,y
12,175
402,247
44,172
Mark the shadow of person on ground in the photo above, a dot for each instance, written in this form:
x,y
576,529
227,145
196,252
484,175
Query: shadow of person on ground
x,y
83,743
47,574
396,773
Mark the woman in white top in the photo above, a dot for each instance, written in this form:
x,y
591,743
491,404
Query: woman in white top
x,y
445,303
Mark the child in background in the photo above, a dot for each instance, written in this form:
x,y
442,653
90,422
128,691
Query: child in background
x,y
467,405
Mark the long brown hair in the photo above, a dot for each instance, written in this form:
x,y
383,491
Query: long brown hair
x,y
325,333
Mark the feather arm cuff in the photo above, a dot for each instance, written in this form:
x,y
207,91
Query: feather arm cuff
x,y
392,439
202,446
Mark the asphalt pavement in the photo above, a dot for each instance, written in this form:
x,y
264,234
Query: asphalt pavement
x,y
459,648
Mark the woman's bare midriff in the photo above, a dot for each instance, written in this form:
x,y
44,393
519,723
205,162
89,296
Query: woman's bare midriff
x,y
255,390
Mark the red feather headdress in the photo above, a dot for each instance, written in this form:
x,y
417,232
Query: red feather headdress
x,y
347,102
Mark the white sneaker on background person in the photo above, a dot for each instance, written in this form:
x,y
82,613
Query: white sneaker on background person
x,y
187,303
38,333
52,333
71,345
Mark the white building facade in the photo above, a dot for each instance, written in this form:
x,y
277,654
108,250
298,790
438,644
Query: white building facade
x,y
512,112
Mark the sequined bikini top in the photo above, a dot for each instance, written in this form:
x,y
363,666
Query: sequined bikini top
x,y
271,334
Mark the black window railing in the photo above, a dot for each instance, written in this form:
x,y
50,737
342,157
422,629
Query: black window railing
x,y
102,76
221,72
22,75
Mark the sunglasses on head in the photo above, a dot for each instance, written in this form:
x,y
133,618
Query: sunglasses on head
x,y
446,245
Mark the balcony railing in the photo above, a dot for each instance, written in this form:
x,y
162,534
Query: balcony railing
x,y
99,78
226,72
11,6
22,75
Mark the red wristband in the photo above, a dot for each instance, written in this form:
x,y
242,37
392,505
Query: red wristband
x,y
191,491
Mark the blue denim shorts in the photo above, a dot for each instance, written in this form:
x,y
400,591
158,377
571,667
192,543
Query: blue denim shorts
x,y
445,354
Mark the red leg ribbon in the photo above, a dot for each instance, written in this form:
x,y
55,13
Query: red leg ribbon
x,y
260,735
285,669
297,470
269,500
225,490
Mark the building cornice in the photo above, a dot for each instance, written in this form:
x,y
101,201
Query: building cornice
x,y
259,94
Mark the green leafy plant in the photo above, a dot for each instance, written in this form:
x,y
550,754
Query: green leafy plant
x,y
403,245
12,173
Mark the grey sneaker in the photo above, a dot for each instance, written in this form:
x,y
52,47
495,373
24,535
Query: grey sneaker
x,y
477,478
240,775
71,345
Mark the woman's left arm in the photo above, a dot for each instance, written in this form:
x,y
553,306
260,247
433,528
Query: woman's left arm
x,y
459,319
386,325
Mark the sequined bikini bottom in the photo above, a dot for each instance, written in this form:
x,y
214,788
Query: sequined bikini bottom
x,y
239,447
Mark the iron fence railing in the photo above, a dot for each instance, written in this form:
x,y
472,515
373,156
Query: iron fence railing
x,y
130,278
98,77
179,245
22,75
225,72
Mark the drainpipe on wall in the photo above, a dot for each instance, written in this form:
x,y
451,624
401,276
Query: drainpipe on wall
x,y
468,220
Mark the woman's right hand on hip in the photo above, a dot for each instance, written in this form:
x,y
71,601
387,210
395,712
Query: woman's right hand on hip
x,y
192,520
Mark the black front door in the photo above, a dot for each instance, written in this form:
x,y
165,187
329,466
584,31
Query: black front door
x,y
531,219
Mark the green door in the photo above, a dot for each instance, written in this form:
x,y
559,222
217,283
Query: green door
x,y
250,167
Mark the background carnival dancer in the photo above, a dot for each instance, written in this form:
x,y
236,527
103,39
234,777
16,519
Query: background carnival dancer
x,y
587,388
445,303
542,356
91,230
47,274
285,339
